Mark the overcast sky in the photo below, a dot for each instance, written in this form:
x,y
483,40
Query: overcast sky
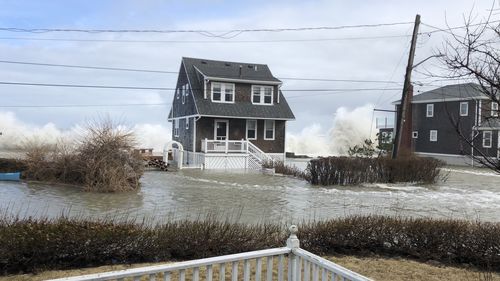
x,y
335,58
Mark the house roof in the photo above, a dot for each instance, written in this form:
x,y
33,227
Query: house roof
x,y
230,70
489,124
453,92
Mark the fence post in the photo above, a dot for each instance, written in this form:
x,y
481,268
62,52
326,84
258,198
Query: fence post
x,y
293,243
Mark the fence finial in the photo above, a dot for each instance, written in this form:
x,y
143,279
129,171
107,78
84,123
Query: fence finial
x,y
293,241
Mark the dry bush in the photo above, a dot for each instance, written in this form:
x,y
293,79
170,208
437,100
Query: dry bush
x,y
11,165
107,159
28,244
356,170
102,160
281,168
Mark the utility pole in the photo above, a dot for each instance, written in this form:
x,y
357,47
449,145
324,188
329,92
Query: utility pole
x,y
401,114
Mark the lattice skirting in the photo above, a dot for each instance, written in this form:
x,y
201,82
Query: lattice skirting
x,y
227,161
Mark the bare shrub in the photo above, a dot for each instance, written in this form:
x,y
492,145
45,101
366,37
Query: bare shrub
x,y
107,160
281,168
102,160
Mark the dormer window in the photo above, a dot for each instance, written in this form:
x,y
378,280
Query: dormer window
x,y
222,92
262,94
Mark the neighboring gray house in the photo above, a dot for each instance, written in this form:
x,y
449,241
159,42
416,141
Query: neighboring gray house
x,y
438,113
233,113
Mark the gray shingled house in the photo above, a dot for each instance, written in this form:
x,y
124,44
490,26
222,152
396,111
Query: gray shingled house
x,y
229,114
437,114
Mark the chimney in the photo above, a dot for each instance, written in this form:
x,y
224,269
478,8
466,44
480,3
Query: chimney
x,y
240,70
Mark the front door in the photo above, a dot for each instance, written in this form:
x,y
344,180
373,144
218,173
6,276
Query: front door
x,y
221,129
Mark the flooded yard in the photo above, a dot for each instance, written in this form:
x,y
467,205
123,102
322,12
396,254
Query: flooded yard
x,y
252,197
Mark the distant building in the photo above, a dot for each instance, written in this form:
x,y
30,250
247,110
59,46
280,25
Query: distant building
x,y
233,113
447,120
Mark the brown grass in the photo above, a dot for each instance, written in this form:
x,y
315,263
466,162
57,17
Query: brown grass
x,y
377,268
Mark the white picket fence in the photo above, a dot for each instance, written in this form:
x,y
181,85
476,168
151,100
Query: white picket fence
x,y
290,261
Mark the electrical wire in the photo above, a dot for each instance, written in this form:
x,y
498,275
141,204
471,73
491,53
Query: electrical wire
x,y
84,105
175,72
206,41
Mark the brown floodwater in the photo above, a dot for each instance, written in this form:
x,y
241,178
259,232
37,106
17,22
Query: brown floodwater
x,y
253,197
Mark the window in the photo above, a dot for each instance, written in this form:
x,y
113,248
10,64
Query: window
x,y
177,94
251,129
187,123
262,95
494,109
183,94
464,108
223,92
430,110
487,139
433,136
414,134
269,129
176,128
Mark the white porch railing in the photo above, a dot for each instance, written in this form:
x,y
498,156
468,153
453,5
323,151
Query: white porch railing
x,y
224,146
292,261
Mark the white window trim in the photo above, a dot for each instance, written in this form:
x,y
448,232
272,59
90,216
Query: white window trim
x,y
414,134
490,138
430,135
246,135
176,127
265,129
222,92
261,94
431,107
494,111
187,123
466,108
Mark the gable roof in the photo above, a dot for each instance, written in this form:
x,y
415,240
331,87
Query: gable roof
x,y
455,92
230,70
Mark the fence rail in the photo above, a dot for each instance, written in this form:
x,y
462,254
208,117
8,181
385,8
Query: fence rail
x,y
224,146
291,261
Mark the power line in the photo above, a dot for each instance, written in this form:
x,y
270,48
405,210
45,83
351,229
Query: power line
x,y
206,41
84,105
175,72
448,29
167,89
88,67
209,33
85,86
336,93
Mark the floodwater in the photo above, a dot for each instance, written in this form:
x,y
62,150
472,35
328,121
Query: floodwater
x,y
253,197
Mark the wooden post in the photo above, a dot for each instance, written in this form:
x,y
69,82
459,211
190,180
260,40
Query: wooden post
x,y
293,243
405,102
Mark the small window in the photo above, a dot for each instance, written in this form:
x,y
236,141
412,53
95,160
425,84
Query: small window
x,y
187,123
269,129
487,139
176,128
464,108
494,109
223,92
177,94
262,95
414,134
251,129
433,135
430,110
183,94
